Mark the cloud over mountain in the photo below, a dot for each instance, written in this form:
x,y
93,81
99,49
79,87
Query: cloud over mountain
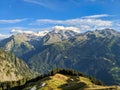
x,y
17,31
57,28
83,23
2,36
21,31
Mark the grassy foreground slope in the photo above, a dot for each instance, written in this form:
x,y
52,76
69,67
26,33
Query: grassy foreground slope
x,y
66,82
63,79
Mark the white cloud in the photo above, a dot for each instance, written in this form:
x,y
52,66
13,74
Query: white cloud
x,y
40,33
85,27
118,24
96,16
49,21
3,36
21,31
101,0
77,21
11,21
51,4
81,23
57,28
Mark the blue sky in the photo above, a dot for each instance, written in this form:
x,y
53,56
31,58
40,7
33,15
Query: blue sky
x,y
37,15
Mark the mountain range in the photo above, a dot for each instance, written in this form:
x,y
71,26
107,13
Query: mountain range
x,y
95,53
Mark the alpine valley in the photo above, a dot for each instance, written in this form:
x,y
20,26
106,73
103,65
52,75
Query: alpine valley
x,y
94,53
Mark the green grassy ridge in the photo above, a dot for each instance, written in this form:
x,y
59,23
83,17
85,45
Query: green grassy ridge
x,y
71,77
65,82
58,82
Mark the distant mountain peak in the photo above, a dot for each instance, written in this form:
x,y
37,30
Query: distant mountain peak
x,y
107,30
102,33
60,33
65,32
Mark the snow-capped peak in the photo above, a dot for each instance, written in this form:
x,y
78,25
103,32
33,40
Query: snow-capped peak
x,y
13,31
40,33
64,29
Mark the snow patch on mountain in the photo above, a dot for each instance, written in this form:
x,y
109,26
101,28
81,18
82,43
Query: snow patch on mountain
x,y
42,33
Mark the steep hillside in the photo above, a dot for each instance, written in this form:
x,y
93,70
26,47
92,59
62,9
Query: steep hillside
x,y
12,68
94,53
